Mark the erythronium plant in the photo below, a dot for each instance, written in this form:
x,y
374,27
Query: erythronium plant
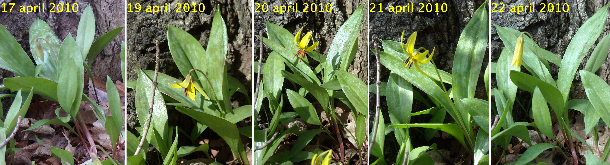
x,y
214,112
59,75
466,111
287,103
547,91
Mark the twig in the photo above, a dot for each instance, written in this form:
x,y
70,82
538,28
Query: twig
x,y
405,160
86,132
258,74
377,106
338,133
266,143
12,134
493,126
152,101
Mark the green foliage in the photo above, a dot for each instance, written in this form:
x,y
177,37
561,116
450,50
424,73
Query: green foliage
x,y
545,89
335,85
459,102
59,64
216,113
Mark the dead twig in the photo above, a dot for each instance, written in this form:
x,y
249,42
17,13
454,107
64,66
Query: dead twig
x,y
493,126
266,143
152,101
258,74
12,134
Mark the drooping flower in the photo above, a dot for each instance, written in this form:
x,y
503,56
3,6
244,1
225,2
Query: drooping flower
x,y
324,158
417,55
190,87
302,44
518,56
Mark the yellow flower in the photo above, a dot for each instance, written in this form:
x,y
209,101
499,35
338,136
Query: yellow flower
x,y
302,44
415,56
317,160
190,87
518,56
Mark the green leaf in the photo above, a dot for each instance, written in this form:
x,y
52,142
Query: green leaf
x,y
598,93
318,92
478,110
186,150
586,108
101,43
505,84
353,88
598,57
425,84
3,138
342,42
350,54
214,63
276,109
12,57
186,50
400,100
131,147
580,44
360,129
237,86
18,108
517,130
481,147
541,114
415,155
42,122
40,86
135,160
41,32
86,31
171,156
64,155
550,93
114,103
377,148
332,85
177,94
225,129
143,94
71,76
533,152
594,160
530,53
452,129
469,54
303,107
272,74
281,36
303,140
112,131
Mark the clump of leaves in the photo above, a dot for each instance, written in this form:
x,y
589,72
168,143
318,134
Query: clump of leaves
x,y
59,76
206,69
465,110
547,91
336,84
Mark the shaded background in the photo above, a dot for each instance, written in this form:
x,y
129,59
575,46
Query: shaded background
x,y
435,30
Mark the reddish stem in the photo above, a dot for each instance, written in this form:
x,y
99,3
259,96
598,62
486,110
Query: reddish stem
x,y
87,134
342,151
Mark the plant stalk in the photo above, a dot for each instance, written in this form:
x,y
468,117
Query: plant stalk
x,y
377,106
152,101
258,74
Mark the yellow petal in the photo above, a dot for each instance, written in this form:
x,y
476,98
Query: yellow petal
x,y
429,57
191,92
309,49
297,38
176,85
329,156
411,42
420,70
517,57
201,90
402,45
305,40
313,160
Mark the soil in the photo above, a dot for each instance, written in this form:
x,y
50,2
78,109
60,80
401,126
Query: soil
x,y
553,32
108,15
324,26
439,30
145,28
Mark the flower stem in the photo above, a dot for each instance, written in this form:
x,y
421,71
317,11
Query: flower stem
x,y
212,87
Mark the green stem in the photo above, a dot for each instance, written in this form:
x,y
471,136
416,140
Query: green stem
x,y
453,106
212,87
537,56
